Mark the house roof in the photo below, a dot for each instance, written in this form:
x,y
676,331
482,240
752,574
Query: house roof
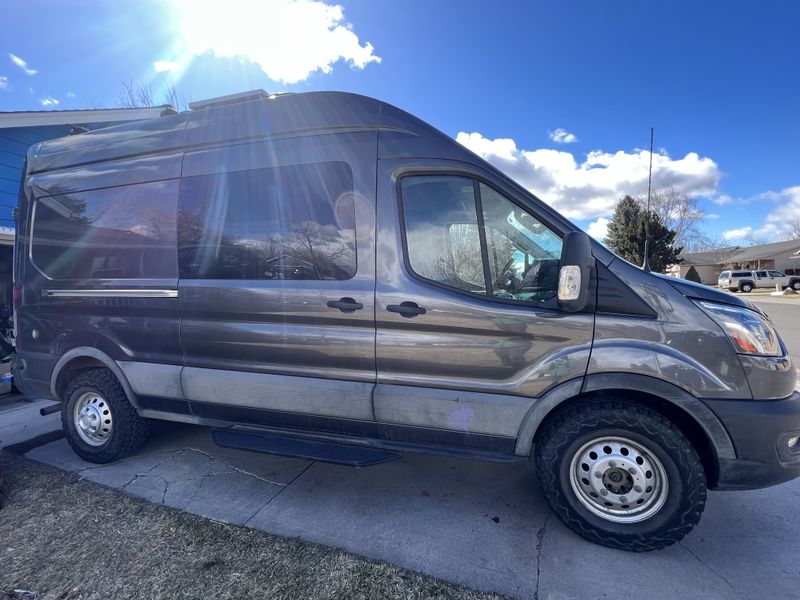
x,y
740,255
710,257
766,250
38,118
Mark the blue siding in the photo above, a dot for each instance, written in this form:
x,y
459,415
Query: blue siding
x,y
14,143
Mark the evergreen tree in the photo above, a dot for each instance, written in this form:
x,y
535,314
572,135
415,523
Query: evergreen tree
x,y
626,235
693,275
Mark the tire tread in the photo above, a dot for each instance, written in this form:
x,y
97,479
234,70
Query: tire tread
x,y
561,429
130,430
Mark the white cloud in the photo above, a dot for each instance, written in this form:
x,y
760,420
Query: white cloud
x,y
711,216
3,82
49,101
722,199
777,224
592,188
562,136
162,66
599,229
71,95
288,39
22,64
737,234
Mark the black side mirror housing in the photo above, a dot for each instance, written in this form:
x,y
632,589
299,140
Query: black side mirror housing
x,y
575,272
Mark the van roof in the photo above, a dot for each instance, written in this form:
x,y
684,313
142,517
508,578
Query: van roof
x,y
253,118
402,135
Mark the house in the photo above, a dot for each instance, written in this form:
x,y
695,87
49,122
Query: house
x,y
779,256
19,131
708,264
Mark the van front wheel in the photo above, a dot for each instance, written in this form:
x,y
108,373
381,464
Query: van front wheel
x,y
620,475
99,422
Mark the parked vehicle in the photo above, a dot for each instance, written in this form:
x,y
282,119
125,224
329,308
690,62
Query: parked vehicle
x,y
747,281
324,275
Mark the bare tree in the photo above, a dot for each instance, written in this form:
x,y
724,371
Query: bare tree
x,y
140,95
794,229
135,95
175,99
680,213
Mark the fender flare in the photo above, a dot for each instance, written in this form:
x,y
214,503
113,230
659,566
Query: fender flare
x,y
694,407
88,351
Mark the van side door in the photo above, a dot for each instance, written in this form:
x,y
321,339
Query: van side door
x,y
468,333
277,277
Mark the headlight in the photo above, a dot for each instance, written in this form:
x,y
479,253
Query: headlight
x,y
750,332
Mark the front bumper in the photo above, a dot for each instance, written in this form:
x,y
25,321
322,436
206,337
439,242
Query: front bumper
x,y
760,431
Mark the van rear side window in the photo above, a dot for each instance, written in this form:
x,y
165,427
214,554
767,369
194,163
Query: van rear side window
x,y
125,232
294,222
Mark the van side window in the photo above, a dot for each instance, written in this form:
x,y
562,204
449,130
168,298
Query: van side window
x,y
523,254
506,253
442,231
126,232
775,274
294,222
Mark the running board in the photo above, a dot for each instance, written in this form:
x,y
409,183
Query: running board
x,y
310,449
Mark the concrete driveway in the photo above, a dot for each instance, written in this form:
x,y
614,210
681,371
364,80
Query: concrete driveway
x,y
483,525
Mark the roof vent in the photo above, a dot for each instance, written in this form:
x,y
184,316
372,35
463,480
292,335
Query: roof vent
x,y
231,99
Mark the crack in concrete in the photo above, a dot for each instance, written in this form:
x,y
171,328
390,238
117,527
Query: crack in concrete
x,y
539,543
237,469
708,566
268,502
179,452
146,473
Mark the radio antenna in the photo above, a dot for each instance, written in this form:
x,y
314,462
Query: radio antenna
x,y
646,263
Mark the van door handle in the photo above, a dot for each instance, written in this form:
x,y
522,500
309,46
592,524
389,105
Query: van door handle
x,y
346,305
407,309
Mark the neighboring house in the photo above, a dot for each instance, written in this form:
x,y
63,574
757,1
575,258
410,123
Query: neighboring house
x,y
19,131
708,263
780,256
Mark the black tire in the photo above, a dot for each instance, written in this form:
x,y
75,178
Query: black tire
x,y
795,285
565,432
732,290
129,432
746,287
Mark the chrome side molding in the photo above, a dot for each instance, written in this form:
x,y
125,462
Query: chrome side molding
x,y
110,293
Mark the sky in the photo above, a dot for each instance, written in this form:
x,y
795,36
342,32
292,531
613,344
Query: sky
x,y
559,95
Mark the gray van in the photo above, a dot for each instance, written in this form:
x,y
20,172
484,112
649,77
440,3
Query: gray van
x,y
324,275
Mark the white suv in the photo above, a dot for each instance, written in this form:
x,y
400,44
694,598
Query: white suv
x,y
745,281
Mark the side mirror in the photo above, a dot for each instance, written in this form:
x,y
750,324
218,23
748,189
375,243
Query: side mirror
x,y
576,270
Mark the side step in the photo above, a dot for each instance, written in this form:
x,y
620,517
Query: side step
x,y
311,449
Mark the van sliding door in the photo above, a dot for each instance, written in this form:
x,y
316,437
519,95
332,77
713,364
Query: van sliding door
x,y
277,278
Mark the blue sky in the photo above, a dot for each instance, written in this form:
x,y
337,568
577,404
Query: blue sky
x,y
718,81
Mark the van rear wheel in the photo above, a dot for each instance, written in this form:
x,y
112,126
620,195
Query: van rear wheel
x,y
99,422
746,287
620,474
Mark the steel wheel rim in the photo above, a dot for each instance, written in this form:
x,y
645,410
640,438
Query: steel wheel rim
x,y
93,419
618,480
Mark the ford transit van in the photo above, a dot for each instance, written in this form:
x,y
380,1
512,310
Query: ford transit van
x,y
324,275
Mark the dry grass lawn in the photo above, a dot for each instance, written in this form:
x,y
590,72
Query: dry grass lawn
x,y
63,538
